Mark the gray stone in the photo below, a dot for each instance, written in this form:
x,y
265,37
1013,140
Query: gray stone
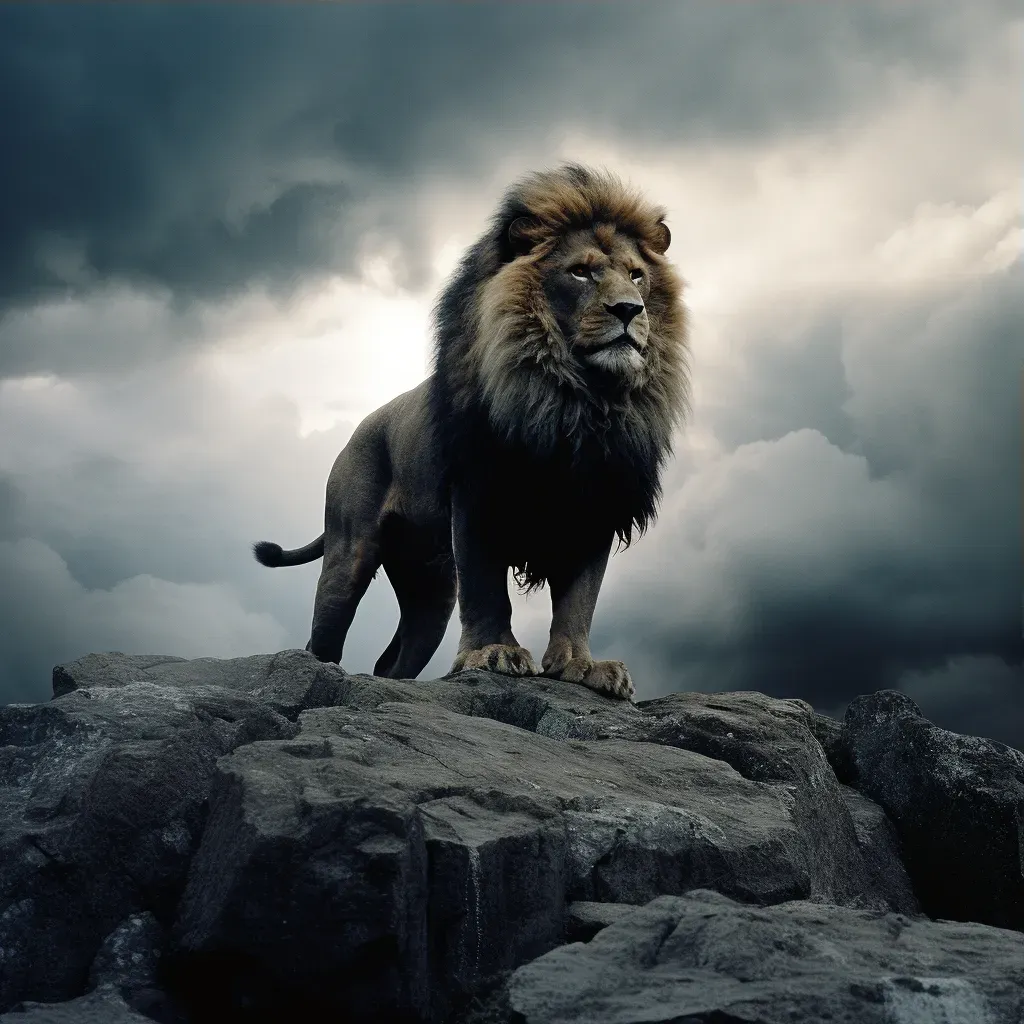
x,y
583,919
956,801
130,955
102,797
104,1006
772,741
412,850
547,707
321,844
287,682
882,852
705,959
829,733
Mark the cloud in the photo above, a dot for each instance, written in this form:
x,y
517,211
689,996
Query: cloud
x,y
972,695
147,488
224,228
203,150
819,567
46,615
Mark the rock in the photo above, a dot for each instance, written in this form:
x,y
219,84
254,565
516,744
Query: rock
x,y
102,798
300,843
773,741
104,1006
829,733
129,962
411,850
583,920
880,847
288,682
703,958
130,954
956,801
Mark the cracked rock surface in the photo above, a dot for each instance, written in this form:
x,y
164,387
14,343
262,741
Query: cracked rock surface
x,y
268,837
705,958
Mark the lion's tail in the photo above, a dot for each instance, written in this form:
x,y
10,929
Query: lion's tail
x,y
268,553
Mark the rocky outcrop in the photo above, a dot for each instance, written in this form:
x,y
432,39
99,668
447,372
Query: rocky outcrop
x,y
102,805
267,837
704,958
956,801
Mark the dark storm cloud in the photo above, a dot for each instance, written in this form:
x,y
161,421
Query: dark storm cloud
x,y
977,696
204,148
888,554
111,331
763,404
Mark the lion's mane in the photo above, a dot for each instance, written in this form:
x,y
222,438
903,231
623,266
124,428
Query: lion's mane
x,y
512,405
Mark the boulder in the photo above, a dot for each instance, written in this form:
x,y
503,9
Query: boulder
x,y
956,801
829,733
882,852
408,853
129,961
705,959
584,918
130,954
773,742
102,798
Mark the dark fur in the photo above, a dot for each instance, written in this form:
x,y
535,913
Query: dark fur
x,y
594,460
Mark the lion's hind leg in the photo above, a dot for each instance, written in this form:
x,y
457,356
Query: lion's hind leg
x,y
342,584
426,598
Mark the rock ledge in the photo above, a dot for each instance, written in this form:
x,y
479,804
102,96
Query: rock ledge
x,y
258,838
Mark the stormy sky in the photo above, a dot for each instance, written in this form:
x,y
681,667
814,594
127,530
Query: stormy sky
x,y
223,228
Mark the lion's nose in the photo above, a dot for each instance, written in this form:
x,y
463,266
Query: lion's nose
x,y
625,311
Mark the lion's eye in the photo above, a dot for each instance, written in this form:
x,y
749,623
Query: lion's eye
x,y
580,272
636,276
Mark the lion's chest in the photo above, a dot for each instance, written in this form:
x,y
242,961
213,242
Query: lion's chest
x,y
541,512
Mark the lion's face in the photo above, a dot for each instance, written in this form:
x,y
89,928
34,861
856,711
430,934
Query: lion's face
x,y
596,283
577,329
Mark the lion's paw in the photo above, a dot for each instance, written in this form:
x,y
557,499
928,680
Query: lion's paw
x,y
503,658
558,657
610,678
570,670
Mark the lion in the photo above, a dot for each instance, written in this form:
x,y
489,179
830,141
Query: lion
x,y
560,372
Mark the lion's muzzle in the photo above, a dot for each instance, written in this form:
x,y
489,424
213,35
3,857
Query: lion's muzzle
x,y
621,349
625,311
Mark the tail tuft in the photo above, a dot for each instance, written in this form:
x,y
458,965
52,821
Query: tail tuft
x,y
268,553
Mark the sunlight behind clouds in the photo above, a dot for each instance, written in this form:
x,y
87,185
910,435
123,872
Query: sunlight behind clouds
x,y
886,199
338,353
928,185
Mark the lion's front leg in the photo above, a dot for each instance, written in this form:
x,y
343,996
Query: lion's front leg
x,y
487,640
573,600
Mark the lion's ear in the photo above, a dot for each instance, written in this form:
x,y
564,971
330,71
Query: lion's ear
x,y
520,235
662,237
